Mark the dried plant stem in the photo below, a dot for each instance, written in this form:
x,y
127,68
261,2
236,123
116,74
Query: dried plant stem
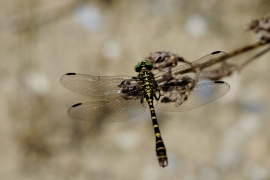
x,y
247,48
254,57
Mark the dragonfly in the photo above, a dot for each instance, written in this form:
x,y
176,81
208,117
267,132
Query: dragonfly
x,y
180,88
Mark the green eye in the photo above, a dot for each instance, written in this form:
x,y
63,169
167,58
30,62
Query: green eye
x,y
136,68
145,64
149,64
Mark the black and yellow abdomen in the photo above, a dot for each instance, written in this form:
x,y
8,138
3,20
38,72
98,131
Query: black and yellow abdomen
x,y
148,86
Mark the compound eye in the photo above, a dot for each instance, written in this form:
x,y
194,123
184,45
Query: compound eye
x,y
149,65
138,67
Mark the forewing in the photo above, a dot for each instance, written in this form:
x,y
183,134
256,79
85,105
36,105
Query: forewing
x,y
110,110
209,59
93,85
204,92
208,63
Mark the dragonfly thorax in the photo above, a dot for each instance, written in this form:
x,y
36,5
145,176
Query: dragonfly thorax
x,y
147,83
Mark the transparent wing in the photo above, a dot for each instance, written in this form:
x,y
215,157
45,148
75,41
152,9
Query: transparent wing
x,y
204,92
93,85
210,62
209,59
110,110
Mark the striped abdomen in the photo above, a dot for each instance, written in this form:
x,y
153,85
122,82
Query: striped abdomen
x,y
148,86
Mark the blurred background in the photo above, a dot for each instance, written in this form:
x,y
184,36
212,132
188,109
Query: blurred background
x,y
42,40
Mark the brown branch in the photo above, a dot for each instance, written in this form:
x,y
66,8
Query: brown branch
x,y
247,48
254,57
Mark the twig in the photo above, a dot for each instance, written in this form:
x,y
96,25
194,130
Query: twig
x,y
254,57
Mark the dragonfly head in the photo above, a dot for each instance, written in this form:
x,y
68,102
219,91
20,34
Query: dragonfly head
x,y
143,64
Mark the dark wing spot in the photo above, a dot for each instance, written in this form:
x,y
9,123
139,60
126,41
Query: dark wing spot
x,y
215,52
71,74
219,82
75,105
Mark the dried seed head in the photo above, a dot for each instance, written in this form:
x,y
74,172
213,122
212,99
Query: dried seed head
x,y
163,59
261,25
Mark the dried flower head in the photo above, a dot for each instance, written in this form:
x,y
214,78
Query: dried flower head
x,y
163,59
261,25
